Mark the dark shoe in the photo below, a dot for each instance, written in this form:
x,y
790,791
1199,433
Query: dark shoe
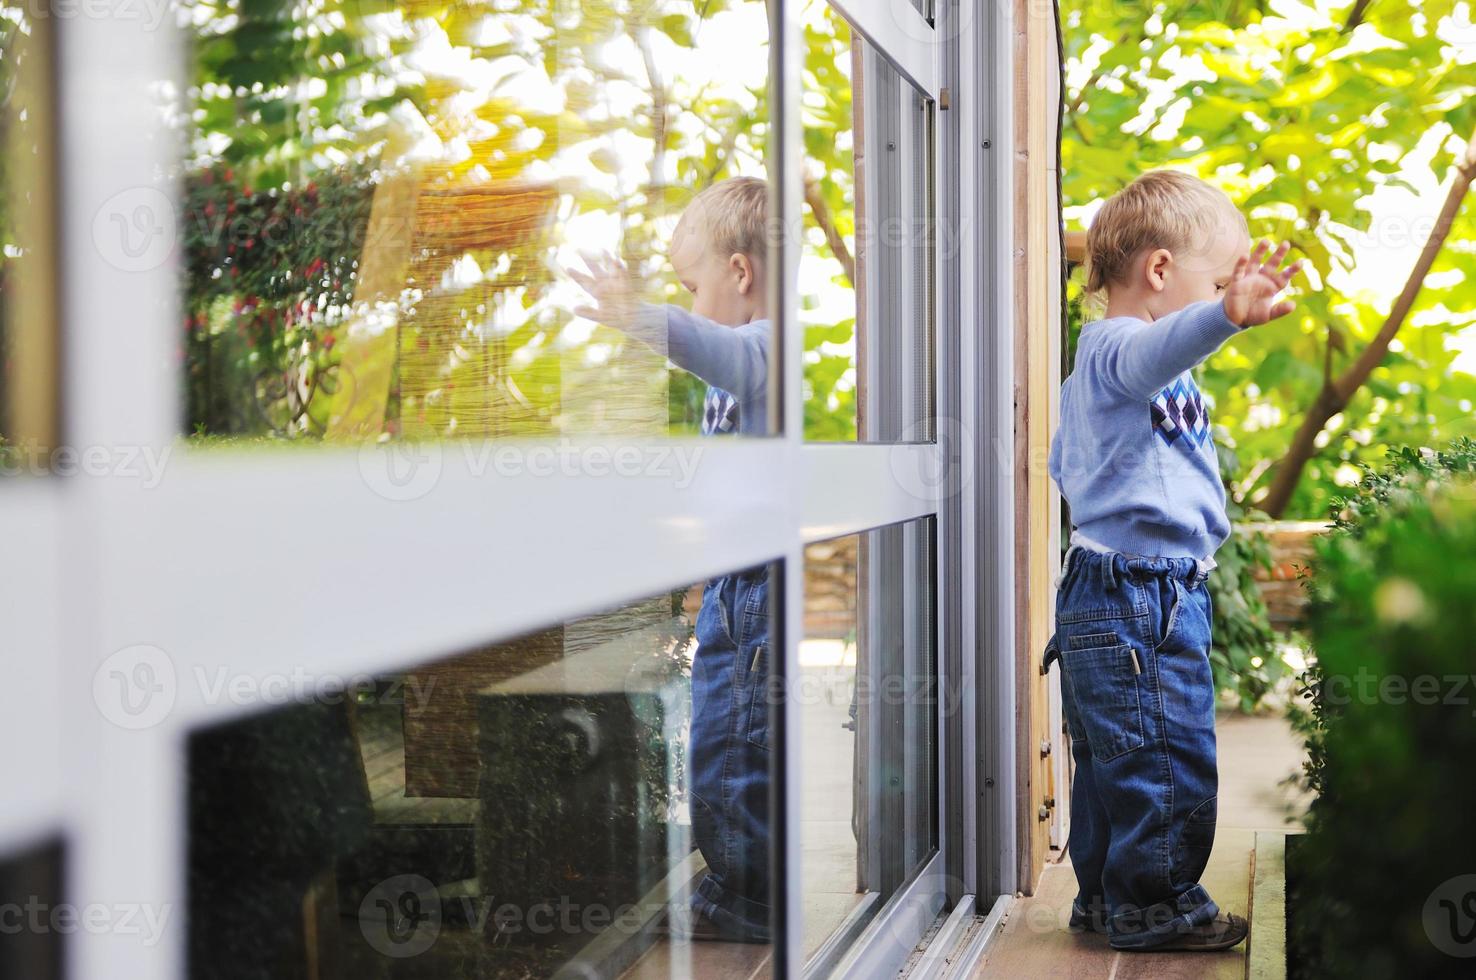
x,y
682,923
1094,921
1225,931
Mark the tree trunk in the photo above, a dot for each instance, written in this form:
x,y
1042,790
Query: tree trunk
x,y
1337,393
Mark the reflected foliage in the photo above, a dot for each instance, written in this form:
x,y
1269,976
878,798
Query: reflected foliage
x,y
302,115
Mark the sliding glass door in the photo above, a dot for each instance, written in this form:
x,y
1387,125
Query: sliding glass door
x,y
437,614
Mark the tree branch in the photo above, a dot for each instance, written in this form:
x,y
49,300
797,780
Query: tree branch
x,y
833,237
1081,134
1081,93
1336,393
1355,16
730,141
659,103
1091,83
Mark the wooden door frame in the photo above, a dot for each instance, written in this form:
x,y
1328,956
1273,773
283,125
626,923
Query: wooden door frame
x,y
1037,337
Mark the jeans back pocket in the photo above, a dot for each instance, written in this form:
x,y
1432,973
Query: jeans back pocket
x,y
1101,674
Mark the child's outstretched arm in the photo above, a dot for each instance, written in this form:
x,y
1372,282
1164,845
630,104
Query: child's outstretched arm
x,y
1143,357
734,359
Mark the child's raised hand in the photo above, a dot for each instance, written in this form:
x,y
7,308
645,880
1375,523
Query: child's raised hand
x,y
1250,297
613,289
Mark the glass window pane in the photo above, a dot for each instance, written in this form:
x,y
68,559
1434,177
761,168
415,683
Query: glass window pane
x,y
387,204
866,711
591,798
28,331
866,266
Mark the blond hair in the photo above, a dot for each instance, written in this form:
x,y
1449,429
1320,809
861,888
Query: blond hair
x,y
735,216
1161,209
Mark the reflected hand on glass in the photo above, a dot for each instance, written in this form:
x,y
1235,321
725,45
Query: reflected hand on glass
x,y
613,288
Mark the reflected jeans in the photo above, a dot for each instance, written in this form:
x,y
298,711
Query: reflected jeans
x,y
728,755
1133,638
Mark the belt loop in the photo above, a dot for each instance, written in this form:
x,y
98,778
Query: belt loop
x,y
1109,572
1066,564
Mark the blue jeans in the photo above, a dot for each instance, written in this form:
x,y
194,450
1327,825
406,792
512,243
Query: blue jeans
x,y
1133,638
728,755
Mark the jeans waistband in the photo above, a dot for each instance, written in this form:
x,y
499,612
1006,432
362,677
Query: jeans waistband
x,y
1205,565
1114,564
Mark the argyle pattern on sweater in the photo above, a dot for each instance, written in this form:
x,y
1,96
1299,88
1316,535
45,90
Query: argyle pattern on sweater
x,y
1179,415
719,413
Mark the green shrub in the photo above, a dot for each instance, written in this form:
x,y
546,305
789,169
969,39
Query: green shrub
x,y
1407,475
1390,727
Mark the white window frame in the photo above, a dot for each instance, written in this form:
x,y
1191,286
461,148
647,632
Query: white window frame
x,y
909,41
30,582
220,566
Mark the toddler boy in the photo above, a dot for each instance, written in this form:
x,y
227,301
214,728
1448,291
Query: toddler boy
x,y
1135,460
718,251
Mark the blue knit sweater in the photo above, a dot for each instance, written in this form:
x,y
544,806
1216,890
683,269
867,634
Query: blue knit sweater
x,y
734,361
1134,456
